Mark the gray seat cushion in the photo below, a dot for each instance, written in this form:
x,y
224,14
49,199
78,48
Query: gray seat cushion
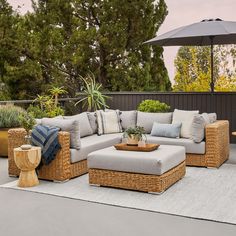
x,y
156,162
93,143
146,119
190,145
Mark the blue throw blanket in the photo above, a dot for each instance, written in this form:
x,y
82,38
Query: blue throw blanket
x,y
46,138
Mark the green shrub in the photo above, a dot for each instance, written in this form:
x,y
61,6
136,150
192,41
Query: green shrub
x,y
27,121
153,106
36,111
9,116
47,106
39,113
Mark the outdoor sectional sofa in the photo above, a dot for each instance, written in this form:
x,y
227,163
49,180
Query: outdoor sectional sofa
x,y
70,163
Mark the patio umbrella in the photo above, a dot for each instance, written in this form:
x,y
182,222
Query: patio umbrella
x,y
207,32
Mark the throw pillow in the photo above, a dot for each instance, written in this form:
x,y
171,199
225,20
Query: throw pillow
x,y
146,119
93,121
198,127
212,117
72,126
85,127
128,119
108,122
166,130
186,118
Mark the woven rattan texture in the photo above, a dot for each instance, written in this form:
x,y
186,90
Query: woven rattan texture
x,y
59,169
135,181
217,152
217,146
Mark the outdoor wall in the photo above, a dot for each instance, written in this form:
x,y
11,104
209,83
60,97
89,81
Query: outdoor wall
x,y
224,104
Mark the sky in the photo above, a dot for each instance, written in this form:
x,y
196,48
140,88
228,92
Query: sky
x,y
181,12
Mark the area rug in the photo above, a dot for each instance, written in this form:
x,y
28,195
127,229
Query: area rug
x,y
208,194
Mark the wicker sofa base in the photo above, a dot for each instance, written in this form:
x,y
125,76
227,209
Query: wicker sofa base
x,y
75,170
135,181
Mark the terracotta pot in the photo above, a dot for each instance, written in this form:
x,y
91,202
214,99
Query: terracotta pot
x,y
132,140
4,142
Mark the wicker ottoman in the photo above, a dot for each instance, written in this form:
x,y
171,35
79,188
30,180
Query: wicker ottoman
x,y
143,171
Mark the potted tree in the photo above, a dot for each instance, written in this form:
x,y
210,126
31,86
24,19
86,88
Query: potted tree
x,y
134,135
9,118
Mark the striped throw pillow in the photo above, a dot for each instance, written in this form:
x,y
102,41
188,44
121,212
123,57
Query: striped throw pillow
x,y
108,122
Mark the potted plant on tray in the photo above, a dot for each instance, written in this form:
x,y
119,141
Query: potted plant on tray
x,y
134,135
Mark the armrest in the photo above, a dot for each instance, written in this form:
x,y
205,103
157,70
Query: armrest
x,y
217,143
58,169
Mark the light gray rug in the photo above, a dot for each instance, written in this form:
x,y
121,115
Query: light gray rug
x,y
208,194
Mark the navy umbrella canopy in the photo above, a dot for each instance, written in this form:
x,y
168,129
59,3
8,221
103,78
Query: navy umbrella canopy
x,y
204,33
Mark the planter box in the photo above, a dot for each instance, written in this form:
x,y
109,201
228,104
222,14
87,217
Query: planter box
x,y
4,142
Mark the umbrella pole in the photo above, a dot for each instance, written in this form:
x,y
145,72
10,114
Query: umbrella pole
x,y
212,85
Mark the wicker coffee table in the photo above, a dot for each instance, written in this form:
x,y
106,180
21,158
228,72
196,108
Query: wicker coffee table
x,y
152,172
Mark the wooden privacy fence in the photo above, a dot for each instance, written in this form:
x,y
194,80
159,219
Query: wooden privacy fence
x,y
223,103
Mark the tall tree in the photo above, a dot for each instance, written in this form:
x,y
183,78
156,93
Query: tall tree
x,y
7,53
62,40
193,69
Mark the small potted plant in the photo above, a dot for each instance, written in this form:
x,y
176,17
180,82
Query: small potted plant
x,y
134,135
27,121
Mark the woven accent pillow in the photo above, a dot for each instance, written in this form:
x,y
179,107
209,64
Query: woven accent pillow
x,y
108,122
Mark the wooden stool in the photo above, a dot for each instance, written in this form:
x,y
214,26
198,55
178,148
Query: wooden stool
x,y
27,161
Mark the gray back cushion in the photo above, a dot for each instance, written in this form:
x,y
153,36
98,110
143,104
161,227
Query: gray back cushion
x,y
84,125
128,119
198,125
93,121
146,119
71,126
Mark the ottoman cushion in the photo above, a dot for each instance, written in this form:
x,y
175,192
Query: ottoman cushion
x,y
156,162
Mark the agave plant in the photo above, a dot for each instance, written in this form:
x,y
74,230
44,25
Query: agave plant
x,y
9,116
93,99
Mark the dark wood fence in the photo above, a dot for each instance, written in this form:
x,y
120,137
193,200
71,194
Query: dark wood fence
x,y
224,104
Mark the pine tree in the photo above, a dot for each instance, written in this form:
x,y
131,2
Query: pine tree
x,y
62,40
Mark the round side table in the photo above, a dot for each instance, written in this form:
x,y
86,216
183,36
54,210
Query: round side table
x,y
27,161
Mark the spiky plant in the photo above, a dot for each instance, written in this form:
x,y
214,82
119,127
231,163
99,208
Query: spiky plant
x,y
94,99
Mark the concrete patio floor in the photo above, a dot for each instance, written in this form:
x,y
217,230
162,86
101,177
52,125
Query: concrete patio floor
x,y
27,213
